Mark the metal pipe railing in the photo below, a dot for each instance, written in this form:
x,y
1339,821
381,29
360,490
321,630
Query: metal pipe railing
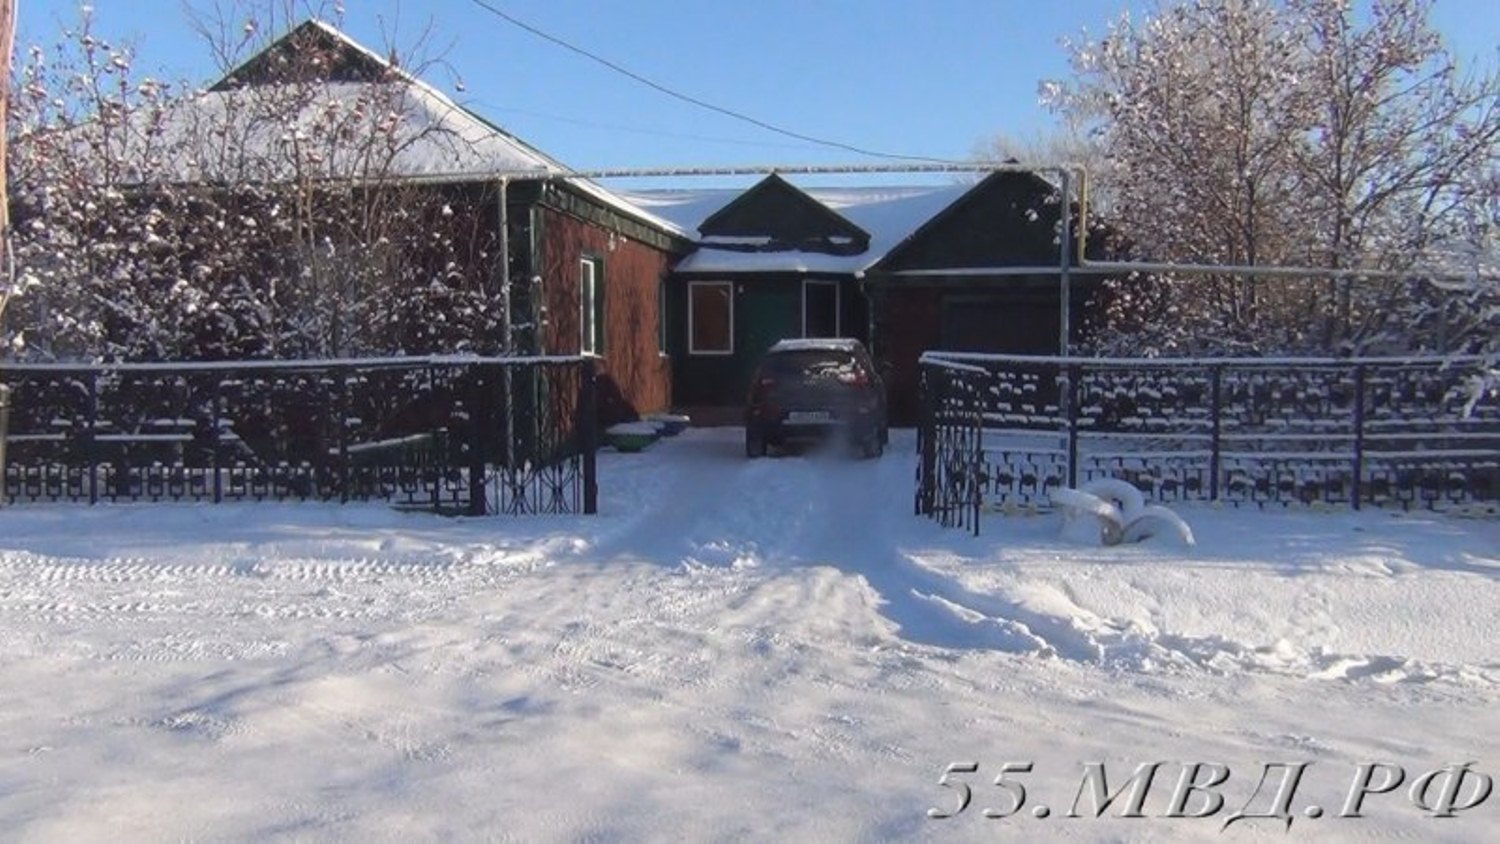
x,y
1440,278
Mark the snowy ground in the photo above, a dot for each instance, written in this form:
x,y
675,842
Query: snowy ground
x,y
772,649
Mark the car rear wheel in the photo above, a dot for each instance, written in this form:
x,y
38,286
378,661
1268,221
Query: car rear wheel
x,y
755,446
874,447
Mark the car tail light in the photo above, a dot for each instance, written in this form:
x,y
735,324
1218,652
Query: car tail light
x,y
760,391
857,379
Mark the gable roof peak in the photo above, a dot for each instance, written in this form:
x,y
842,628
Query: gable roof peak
x,y
313,49
778,210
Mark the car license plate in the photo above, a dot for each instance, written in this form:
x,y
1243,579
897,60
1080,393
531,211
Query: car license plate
x,y
809,416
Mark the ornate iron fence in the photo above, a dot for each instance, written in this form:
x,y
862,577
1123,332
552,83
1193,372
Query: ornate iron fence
x,y
951,470
451,435
1402,432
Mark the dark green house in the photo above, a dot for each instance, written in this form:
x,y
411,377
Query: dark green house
x,y
904,269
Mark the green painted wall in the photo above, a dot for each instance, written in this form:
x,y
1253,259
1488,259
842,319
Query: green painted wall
x,y
766,309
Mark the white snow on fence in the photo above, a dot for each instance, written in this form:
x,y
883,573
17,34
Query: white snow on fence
x,y
1169,362
310,363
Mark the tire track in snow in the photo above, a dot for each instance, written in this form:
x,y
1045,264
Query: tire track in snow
x,y
709,556
241,584
845,527
715,512
804,511
120,570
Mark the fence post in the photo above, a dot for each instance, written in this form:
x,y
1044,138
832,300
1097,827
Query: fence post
x,y
1215,414
4,433
341,418
1357,483
87,440
926,443
438,472
478,505
976,468
1072,400
588,411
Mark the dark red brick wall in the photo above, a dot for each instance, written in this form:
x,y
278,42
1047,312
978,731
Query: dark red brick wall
x,y
913,321
635,379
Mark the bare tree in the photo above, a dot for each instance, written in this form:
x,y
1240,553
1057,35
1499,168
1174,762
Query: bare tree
x,y
272,215
1289,133
1070,143
1397,133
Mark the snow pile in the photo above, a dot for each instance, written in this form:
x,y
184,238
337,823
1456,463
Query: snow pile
x,y
631,429
1087,517
632,436
1108,512
669,424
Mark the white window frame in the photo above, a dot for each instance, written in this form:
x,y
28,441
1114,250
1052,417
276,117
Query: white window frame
x,y
589,273
838,304
661,317
692,348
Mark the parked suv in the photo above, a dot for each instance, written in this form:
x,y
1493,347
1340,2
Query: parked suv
x,y
807,390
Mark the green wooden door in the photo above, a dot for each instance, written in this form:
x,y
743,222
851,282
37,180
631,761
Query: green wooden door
x,y
767,313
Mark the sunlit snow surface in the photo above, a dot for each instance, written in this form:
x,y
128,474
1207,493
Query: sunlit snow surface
x,y
773,649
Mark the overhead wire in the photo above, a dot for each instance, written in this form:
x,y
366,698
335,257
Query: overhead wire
x,y
616,127
692,100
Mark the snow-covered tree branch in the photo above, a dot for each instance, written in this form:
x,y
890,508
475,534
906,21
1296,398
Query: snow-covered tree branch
x,y
270,215
1298,133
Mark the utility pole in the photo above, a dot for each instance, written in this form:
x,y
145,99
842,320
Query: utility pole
x,y
7,40
1064,266
7,266
1066,398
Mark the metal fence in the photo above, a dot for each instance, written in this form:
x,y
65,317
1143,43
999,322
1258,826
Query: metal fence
x,y
451,435
1399,432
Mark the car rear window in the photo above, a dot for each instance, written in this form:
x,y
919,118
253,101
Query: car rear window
x,y
814,364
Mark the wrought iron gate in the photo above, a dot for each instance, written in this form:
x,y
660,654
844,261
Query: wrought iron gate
x,y
454,435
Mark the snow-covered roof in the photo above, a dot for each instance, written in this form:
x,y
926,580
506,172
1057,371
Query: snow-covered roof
x,y
399,128
224,135
889,214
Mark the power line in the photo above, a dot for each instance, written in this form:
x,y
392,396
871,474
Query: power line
x,y
691,99
661,133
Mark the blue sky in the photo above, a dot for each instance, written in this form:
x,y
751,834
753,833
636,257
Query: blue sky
x,y
916,77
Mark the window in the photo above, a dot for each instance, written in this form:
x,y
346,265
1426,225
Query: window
x,y
817,365
711,318
661,316
820,309
590,306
